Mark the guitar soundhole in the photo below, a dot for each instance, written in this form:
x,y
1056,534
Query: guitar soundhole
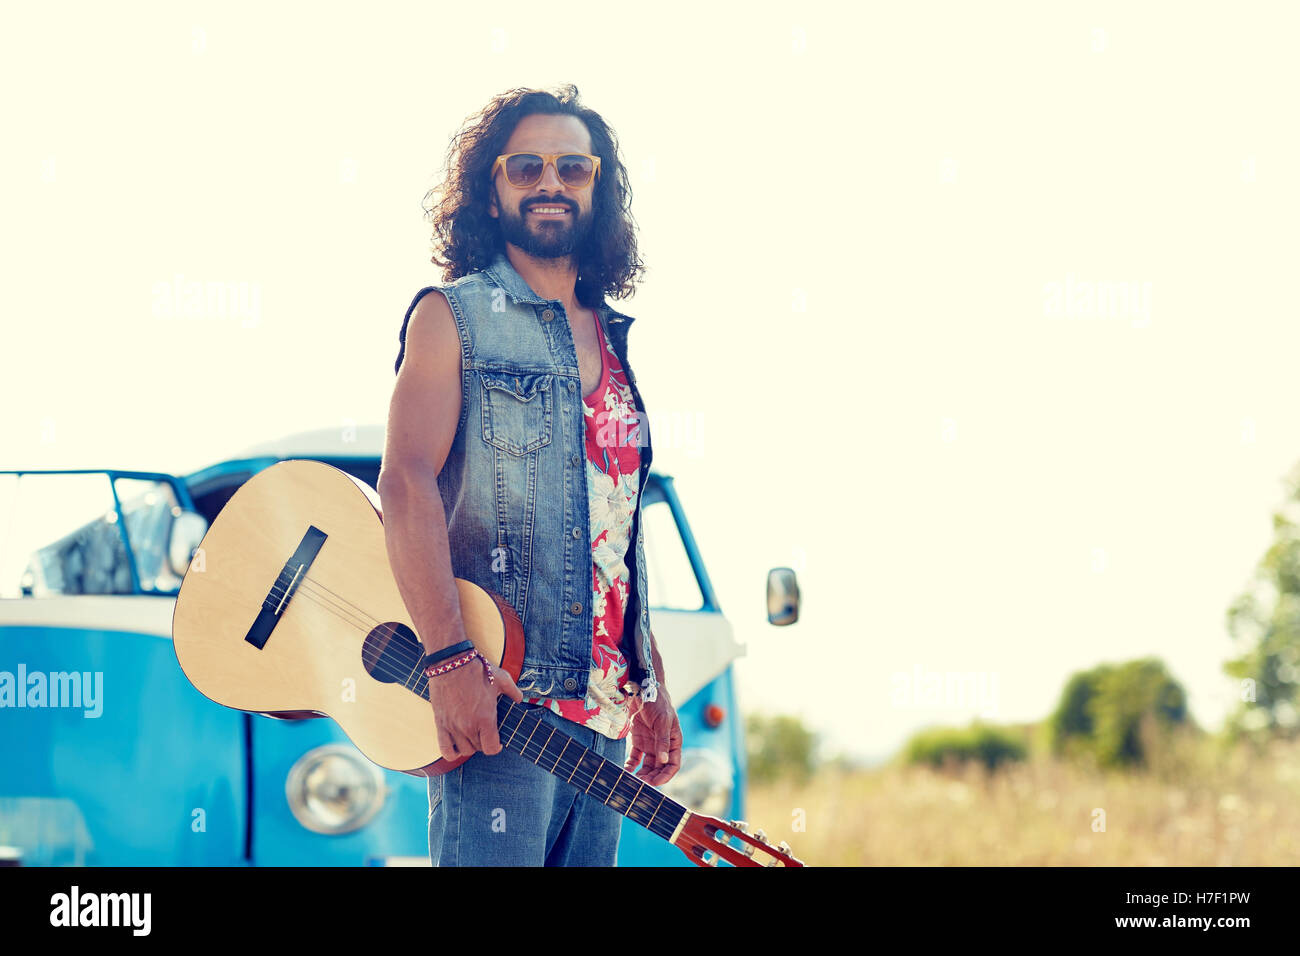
x,y
391,652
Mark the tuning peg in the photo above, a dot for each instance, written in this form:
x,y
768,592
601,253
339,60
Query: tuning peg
x,y
785,848
760,836
742,826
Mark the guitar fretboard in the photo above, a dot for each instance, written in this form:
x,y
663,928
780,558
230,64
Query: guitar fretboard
x,y
522,730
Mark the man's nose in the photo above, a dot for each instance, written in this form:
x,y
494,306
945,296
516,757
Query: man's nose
x,y
551,179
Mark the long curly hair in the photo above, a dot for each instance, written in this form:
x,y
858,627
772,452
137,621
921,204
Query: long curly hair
x,y
466,238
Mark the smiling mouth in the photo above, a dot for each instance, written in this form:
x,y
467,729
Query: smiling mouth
x,y
548,212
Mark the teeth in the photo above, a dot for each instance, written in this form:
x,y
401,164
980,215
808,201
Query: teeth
x,y
547,209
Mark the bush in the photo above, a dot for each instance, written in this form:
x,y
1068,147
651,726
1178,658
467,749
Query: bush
x,y
1117,713
979,743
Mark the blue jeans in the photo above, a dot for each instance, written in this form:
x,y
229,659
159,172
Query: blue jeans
x,y
504,810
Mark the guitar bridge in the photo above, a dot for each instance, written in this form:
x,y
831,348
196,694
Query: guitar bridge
x,y
286,583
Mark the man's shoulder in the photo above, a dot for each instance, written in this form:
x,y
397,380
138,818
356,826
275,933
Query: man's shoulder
x,y
477,277
456,297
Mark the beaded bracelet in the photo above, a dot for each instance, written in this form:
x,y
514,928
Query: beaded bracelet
x,y
433,670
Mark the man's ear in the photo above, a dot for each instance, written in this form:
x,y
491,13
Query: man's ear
x,y
493,209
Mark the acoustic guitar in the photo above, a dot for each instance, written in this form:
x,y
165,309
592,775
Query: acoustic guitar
x,y
289,608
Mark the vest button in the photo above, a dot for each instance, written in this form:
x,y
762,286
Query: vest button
x,y
577,532
570,683
575,461
571,386
575,608
548,314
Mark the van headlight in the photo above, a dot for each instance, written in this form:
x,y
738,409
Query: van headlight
x,y
703,782
333,789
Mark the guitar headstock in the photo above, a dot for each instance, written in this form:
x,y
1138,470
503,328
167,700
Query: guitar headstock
x,y
707,840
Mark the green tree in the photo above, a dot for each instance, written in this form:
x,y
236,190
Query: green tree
x,y
1116,712
779,746
1264,621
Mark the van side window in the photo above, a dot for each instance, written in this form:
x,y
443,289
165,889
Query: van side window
x,y
148,507
671,579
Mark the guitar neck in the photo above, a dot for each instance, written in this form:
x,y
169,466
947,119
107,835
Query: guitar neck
x,y
522,730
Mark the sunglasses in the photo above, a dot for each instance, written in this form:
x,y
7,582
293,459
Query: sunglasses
x,y
526,169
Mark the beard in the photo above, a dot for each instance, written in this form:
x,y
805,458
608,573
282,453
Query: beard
x,y
545,238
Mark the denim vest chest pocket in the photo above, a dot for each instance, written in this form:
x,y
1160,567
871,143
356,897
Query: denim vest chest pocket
x,y
517,409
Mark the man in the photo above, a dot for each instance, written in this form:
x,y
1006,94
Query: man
x,y
517,448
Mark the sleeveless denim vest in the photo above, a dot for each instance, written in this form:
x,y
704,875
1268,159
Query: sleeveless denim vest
x,y
514,485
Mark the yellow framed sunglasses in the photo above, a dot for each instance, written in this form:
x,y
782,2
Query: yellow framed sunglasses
x,y
526,169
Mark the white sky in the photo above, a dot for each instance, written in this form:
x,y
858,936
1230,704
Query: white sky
x,y
866,235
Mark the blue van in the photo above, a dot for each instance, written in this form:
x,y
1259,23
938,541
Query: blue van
x,y
110,757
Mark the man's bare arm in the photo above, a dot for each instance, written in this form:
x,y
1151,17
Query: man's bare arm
x,y
422,421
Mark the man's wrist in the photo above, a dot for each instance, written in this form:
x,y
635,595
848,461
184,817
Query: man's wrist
x,y
443,653
447,634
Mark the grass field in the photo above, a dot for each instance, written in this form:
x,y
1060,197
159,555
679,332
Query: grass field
x,y
1201,807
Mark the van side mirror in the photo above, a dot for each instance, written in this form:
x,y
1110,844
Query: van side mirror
x,y
187,531
782,597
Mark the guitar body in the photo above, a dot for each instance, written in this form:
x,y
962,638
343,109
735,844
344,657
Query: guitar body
x,y
340,642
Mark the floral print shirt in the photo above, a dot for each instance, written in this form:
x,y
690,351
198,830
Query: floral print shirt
x,y
613,470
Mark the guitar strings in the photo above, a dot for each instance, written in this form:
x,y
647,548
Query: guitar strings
x,y
367,623
344,612
399,661
356,611
662,827
277,594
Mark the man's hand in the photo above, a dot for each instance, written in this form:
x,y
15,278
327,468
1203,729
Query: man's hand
x,y
656,737
465,708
